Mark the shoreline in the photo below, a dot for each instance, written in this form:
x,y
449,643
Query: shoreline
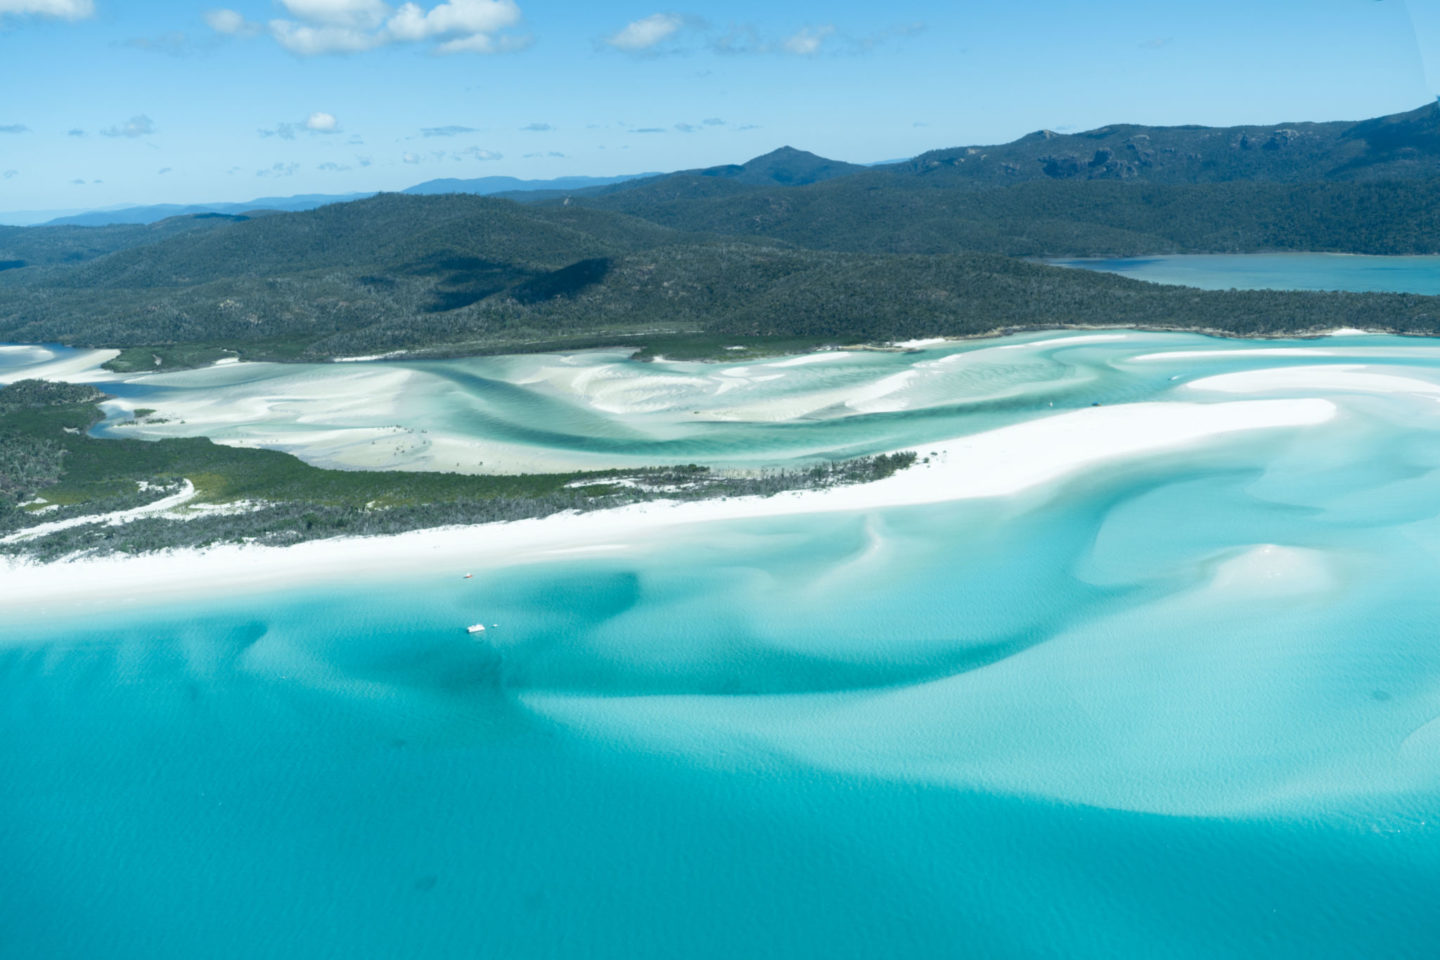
x,y
998,463
93,370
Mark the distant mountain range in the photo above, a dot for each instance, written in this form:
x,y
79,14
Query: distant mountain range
x,y
1399,147
482,186
1403,146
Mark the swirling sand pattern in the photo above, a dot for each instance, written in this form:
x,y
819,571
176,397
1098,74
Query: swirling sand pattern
x,y
1181,703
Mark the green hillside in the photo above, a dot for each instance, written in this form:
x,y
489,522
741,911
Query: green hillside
x,y
789,249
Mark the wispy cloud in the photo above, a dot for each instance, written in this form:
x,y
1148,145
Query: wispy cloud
x,y
645,34
662,33
478,153
278,169
318,122
137,126
318,27
331,166
537,127
75,132
452,130
807,41
8,174
231,24
174,44
54,9
14,128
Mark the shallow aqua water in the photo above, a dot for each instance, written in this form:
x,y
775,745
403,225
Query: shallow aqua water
x,y
1279,271
947,731
1182,705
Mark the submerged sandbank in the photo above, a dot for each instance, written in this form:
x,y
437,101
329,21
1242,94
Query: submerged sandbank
x,y
996,463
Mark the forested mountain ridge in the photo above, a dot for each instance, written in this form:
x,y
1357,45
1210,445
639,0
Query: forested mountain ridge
x,y
1400,146
1054,219
42,246
784,248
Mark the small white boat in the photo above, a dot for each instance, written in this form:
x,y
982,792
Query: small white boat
x,y
475,628
468,576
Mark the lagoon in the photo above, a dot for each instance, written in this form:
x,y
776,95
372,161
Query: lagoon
x,y
1279,271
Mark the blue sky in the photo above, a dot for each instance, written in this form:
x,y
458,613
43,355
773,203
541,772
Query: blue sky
x,y
117,101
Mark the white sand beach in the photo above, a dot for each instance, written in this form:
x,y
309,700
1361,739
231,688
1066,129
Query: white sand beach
x,y
995,463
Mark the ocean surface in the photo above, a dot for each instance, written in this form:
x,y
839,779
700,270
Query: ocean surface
x,y
1184,705
1279,271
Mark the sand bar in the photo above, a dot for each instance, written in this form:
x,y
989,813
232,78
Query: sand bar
x,y
1344,377
996,463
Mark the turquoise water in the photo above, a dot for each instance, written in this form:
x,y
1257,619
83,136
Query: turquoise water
x,y
1182,704
1279,271
943,731
1179,705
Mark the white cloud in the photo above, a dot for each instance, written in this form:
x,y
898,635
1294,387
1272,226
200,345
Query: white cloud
x,y
354,26
476,43
321,122
311,41
411,158
478,153
459,19
137,126
365,14
485,43
59,9
807,42
644,34
231,23
278,170
317,122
